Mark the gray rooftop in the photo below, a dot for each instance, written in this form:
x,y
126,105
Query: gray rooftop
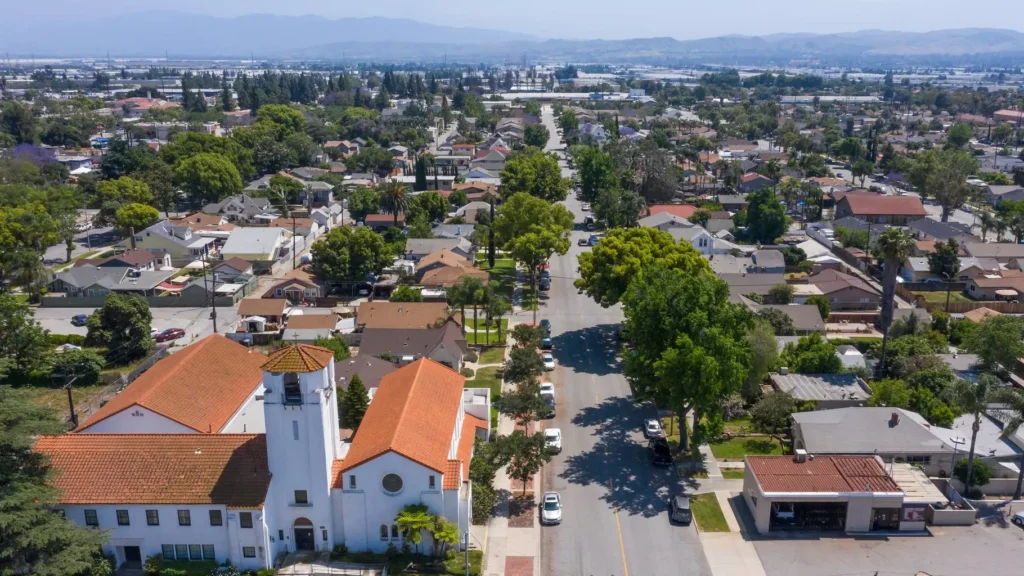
x,y
822,386
253,240
662,218
370,369
769,259
867,430
424,246
940,230
747,283
805,317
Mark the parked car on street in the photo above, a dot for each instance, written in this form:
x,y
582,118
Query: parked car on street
x,y
680,510
170,334
553,440
79,319
545,326
549,361
544,284
551,509
584,242
594,239
545,343
652,429
661,453
1018,519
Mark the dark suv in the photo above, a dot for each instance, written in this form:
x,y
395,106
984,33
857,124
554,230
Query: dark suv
x,y
661,454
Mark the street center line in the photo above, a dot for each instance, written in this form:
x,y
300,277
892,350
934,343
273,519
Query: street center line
x,y
622,547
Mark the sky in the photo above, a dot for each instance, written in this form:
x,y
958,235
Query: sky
x,y
605,19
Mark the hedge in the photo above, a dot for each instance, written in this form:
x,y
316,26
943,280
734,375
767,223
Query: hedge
x,y
61,339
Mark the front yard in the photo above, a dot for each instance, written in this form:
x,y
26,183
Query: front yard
x,y
740,446
503,275
492,355
480,335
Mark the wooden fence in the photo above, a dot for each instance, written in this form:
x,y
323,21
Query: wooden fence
x,y
958,307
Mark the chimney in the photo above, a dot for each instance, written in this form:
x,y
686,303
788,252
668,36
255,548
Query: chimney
x,y
894,419
131,234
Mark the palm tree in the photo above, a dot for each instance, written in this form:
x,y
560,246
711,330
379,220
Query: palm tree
x,y
281,197
26,269
496,307
1001,225
393,198
974,399
987,223
772,170
467,291
1012,414
894,246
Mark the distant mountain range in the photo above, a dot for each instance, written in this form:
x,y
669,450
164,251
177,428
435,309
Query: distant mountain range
x,y
389,39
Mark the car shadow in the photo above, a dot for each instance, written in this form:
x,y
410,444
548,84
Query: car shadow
x,y
619,460
591,350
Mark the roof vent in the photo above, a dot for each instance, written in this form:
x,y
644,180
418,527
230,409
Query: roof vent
x,y
784,371
799,455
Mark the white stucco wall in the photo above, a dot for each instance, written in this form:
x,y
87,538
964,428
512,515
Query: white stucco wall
x,y
227,539
137,420
369,506
249,419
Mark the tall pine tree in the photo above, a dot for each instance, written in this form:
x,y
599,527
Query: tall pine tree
x,y
353,404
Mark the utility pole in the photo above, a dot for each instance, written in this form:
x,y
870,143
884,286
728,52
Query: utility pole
x,y
213,286
71,401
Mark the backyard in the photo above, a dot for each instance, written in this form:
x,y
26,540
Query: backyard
x,y
939,297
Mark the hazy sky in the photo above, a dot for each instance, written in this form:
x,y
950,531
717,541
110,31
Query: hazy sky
x,y
681,19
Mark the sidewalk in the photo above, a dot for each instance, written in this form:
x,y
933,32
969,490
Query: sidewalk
x,y
730,553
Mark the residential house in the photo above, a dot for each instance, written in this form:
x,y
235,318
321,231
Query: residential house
x,y
469,211
806,318
370,370
704,242
445,344
402,315
917,269
258,244
743,284
994,193
768,262
664,221
137,258
384,221
418,248
201,223
232,268
1003,252
492,160
720,228
876,209
270,309
1006,286
592,133
826,391
752,182
241,207
894,434
980,314
844,291
301,227
477,191
307,327
928,229
299,285
83,281
235,496
442,258
453,230
733,202
178,242
448,276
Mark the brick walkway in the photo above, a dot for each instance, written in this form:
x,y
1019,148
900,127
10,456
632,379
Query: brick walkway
x,y
519,566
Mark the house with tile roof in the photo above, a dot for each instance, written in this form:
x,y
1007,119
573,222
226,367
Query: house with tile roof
x,y
248,498
876,209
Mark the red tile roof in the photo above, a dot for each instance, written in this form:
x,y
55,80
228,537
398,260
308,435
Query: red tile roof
x,y
223,469
299,358
413,414
467,438
200,387
877,205
822,474
681,210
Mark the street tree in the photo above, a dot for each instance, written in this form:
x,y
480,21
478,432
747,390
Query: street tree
x,y
523,404
618,208
136,217
122,325
208,177
37,539
526,454
524,365
596,171
771,414
526,335
690,350
606,270
113,194
346,254
536,135
535,173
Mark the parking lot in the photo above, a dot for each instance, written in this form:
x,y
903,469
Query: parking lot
x,y
195,322
992,547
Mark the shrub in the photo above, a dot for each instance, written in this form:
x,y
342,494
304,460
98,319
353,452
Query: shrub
x,y
484,498
467,372
60,339
339,552
470,356
85,364
266,572
981,473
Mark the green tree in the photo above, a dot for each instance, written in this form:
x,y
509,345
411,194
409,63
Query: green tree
x,y
421,173
1012,416
700,217
944,262
84,365
36,539
458,198
393,198
606,270
766,217
283,119
534,173
977,469
354,402
523,403
122,325
526,336
690,351
890,392
334,344
445,534
812,354
186,145
536,135
862,169
526,454
853,238
413,519
781,294
781,323
997,341
764,357
824,308
959,135
771,414
346,254
208,177
568,121
618,208
973,398
159,178
136,217
24,346
113,194
17,120
25,268
431,204
406,294
942,174
893,247
67,228
524,365
363,201
596,171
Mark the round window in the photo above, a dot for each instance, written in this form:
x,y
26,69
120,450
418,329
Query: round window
x,y
392,483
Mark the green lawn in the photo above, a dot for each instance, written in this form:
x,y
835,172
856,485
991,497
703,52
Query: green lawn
x,y
939,297
92,253
58,397
492,356
737,448
739,426
707,513
503,275
489,378
732,473
475,338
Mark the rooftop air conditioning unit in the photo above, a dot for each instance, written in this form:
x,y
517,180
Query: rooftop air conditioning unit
x,y
784,371
799,455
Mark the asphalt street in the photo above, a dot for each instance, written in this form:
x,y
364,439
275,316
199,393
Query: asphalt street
x,y
615,518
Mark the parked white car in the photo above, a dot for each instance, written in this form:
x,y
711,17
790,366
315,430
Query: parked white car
x,y
547,391
551,509
652,429
553,439
549,361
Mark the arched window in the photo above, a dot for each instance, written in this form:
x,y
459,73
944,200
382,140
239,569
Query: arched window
x,y
394,531
292,390
383,531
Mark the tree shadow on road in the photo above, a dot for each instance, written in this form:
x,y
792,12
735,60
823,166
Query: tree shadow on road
x,y
619,461
591,350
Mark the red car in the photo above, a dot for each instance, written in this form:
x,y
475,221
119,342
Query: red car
x,y
170,334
